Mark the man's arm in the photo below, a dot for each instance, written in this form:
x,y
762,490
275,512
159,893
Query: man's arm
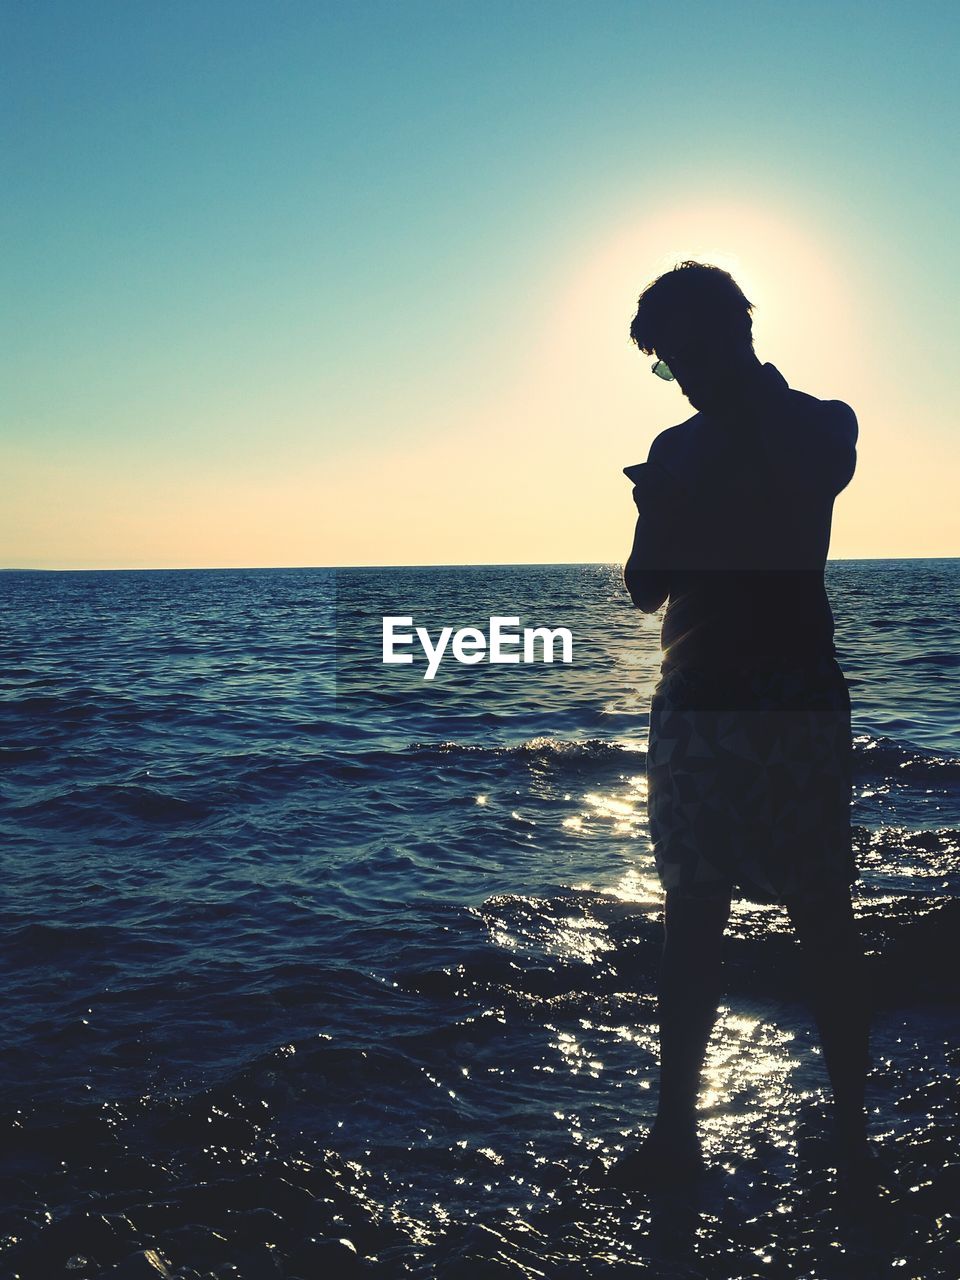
x,y
647,584
645,575
843,444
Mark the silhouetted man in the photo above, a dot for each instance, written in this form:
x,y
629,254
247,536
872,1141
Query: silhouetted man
x,y
749,753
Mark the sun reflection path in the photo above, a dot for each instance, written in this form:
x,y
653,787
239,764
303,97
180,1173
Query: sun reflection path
x,y
753,1094
748,1086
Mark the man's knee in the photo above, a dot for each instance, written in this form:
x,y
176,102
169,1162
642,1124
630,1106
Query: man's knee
x,y
825,919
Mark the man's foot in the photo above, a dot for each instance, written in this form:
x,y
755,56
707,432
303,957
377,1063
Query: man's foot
x,y
858,1167
660,1163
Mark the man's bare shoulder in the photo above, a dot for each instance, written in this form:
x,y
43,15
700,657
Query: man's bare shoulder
x,y
673,444
842,418
831,428
835,415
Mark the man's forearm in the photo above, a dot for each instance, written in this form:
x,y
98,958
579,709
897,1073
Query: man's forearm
x,y
644,576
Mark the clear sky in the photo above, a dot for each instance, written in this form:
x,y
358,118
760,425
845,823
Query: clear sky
x,y
301,283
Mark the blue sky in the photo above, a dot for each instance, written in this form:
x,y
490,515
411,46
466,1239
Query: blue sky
x,y
244,240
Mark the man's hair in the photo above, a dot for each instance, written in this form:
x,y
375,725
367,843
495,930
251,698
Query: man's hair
x,y
709,296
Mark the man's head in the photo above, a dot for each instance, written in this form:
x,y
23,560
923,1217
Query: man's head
x,y
698,322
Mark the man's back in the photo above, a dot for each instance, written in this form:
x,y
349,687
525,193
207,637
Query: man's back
x,y
750,508
757,493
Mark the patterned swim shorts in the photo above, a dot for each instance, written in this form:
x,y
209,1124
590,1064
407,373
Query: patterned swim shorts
x,y
749,777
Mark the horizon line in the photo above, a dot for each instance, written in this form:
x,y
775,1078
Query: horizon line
x,y
479,564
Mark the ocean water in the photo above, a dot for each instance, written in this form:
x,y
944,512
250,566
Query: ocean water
x,y
301,949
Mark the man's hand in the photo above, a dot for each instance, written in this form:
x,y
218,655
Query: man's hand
x,y
656,493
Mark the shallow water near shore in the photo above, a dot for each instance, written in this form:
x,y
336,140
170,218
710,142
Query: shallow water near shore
x,y
301,949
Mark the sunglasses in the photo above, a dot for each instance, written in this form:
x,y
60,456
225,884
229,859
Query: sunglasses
x,y
663,370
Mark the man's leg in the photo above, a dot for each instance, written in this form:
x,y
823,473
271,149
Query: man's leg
x,y
688,997
833,957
